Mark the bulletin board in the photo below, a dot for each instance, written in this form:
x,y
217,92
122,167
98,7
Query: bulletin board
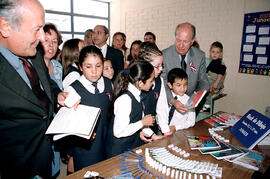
x,y
255,48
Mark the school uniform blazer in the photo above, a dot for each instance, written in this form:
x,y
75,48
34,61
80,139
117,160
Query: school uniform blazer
x,y
117,59
24,121
196,70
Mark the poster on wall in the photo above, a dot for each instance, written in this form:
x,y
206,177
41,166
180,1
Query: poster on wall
x,y
255,48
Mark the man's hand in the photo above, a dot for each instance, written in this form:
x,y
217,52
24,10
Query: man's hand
x,y
61,98
180,107
143,137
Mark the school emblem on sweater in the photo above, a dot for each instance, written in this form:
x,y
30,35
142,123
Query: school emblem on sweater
x,y
109,96
156,95
193,68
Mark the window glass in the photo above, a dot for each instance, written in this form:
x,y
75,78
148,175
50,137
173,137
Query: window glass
x,y
63,22
65,37
81,24
79,36
93,8
56,5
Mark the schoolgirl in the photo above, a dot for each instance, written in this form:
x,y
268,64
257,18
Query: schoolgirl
x,y
95,90
128,120
155,99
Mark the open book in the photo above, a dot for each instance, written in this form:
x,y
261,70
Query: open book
x,y
195,99
80,122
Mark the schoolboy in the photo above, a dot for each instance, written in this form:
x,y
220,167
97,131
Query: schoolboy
x,y
178,83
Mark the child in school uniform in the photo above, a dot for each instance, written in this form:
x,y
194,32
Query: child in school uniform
x,y
178,82
95,91
108,69
155,99
128,120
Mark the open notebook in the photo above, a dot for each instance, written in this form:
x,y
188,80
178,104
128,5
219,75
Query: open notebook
x,y
80,122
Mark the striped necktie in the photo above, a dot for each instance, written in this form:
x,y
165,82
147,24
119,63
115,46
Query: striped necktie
x,y
96,89
34,82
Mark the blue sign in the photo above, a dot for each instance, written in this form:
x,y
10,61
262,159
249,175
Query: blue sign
x,y
251,128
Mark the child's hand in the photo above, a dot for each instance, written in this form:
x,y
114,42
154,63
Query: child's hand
x,y
157,137
213,86
93,136
148,120
143,137
172,129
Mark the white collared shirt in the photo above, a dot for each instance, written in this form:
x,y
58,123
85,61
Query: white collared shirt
x,y
183,121
88,85
71,77
103,50
122,109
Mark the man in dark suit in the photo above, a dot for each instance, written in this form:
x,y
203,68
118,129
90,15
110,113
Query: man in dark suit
x,y
191,59
100,36
25,109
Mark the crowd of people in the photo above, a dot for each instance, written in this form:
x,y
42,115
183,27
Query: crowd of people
x,y
140,90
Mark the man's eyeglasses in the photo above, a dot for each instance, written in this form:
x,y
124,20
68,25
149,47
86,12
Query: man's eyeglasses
x,y
97,32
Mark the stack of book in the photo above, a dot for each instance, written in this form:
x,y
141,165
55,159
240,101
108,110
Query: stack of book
x,y
222,119
220,150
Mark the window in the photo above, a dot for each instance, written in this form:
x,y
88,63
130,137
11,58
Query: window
x,y
74,17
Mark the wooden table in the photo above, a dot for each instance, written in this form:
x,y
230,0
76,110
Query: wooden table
x,y
110,167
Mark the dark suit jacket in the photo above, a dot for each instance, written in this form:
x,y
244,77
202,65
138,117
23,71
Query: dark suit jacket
x,y
196,69
25,151
117,59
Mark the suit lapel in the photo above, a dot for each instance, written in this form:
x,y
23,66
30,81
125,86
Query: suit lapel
x,y
175,56
14,82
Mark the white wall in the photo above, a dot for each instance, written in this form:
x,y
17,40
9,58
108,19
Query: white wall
x,y
215,20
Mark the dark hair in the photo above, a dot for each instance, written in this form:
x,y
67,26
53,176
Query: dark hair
x,y
138,71
49,27
193,29
90,50
134,42
150,33
70,54
148,50
196,44
176,73
217,44
124,39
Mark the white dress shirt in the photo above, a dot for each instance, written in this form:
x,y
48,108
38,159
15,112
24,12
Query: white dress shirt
x,y
88,85
186,120
162,111
103,50
122,109
71,77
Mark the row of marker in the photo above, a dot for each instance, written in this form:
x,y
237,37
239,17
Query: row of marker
x,y
175,167
213,133
131,162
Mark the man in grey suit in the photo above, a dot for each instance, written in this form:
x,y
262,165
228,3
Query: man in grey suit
x,y
191,59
